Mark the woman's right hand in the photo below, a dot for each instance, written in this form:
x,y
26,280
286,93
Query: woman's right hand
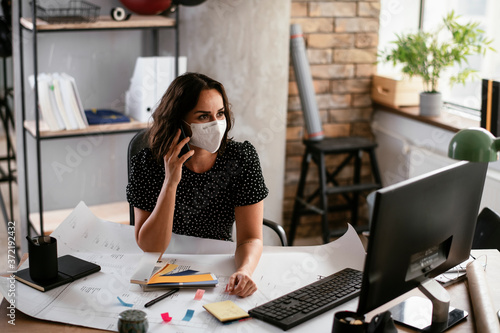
x,y
173,163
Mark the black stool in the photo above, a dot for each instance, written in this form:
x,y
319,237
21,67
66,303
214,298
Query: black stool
x,y
353,147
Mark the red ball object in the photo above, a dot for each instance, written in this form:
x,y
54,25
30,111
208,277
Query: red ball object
x,y
147,7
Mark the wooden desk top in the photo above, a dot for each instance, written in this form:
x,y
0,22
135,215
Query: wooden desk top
x,y
458,292
25,323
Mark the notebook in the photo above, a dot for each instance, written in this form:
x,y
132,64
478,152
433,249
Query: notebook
x,y
70,269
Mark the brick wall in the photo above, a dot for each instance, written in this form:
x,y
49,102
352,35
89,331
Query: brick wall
x,y
341,39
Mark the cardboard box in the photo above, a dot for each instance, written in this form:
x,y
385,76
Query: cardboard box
x,y
396,92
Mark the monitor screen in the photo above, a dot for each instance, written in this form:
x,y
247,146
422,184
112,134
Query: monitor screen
x,y
420,228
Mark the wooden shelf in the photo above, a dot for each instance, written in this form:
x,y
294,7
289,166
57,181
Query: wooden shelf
x,y
114,212
30,126
447,121
102,23
30,26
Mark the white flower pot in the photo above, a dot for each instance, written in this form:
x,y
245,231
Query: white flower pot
x,y
430,104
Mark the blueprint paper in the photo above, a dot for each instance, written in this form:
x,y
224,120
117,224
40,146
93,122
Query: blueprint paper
x,y
92,301
193,245
282,269
82,231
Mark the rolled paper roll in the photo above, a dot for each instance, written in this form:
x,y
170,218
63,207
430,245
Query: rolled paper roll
x,y
484,313
305,84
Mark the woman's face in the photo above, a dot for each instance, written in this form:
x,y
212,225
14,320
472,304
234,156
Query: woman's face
x,y
210,107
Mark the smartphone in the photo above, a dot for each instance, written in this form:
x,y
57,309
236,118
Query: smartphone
x,y
186,148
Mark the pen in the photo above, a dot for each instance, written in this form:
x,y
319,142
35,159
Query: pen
x,y
170,292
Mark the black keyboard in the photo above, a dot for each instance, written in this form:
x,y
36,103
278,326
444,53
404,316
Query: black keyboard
x,y
310,301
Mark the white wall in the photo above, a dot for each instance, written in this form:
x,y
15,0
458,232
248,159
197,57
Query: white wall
x,y
244,45
408,148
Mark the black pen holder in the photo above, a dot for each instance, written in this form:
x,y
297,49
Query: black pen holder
x,y
348,322
42,258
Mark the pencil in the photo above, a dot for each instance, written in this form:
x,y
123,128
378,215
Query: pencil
x,y
170,292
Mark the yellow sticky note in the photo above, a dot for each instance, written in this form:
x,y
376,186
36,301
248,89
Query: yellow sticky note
x,y
226,311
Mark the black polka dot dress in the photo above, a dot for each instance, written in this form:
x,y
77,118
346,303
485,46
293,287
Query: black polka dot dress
x,y
205,202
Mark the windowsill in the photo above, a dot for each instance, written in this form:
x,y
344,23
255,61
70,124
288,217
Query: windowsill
x,y
447,120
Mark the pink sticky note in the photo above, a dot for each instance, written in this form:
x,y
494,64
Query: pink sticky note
x,y
199,294
166,318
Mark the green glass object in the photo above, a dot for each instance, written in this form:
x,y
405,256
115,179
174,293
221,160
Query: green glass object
x,y
474,145
132,321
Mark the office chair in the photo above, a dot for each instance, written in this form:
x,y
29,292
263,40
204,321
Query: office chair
x,y
136,144
274,234
487,233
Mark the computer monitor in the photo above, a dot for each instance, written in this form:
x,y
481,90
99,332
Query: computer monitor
x,y
420,228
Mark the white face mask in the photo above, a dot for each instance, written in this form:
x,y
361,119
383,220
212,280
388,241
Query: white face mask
x,y
208,136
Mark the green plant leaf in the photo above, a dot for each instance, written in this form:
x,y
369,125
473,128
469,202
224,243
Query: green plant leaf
x,y
423,54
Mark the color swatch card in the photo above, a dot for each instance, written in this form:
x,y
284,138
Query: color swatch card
x,y
171,274
226,311
153,274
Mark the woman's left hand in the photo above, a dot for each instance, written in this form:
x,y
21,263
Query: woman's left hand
x,y
241,284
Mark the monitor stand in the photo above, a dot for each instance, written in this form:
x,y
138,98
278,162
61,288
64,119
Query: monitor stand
x,y
431,314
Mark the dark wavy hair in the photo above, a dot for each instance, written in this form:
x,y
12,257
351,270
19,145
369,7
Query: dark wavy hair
x,y
180,98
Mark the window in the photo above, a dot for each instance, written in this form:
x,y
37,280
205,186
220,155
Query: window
x,y
396,16
400,16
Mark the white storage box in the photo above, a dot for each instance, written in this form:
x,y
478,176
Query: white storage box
x,y
151,78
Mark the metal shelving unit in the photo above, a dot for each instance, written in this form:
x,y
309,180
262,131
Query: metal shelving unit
x,y
31,27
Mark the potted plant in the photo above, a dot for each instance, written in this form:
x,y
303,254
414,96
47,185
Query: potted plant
x,y
427,54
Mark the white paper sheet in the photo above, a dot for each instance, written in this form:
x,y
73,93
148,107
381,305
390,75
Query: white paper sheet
x,y
92,301
82,231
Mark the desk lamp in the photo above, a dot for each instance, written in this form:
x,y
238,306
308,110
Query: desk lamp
x,y
474,145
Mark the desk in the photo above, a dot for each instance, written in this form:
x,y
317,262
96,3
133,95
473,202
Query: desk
x,y
93,300
293,265
26,323
458,292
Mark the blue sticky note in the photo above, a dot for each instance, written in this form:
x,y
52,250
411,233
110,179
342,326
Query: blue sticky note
x,y
124,303
189,314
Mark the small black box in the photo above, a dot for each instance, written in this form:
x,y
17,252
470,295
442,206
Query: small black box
x,y
490,106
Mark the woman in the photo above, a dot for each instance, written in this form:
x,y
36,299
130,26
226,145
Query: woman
x,y
204,191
